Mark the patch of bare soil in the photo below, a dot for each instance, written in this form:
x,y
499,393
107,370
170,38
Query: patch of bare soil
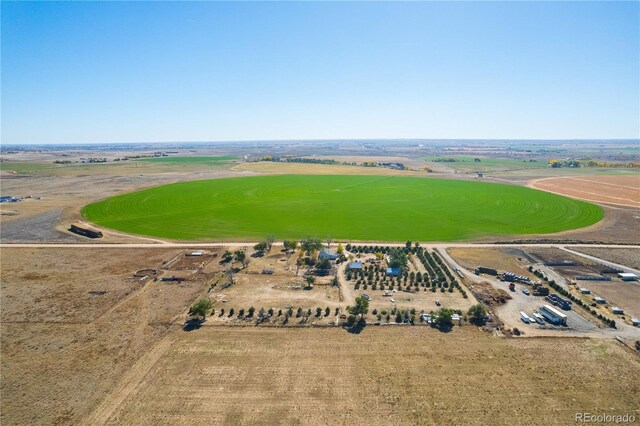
x,y
384,375
616,190
623,256
73,322
500,259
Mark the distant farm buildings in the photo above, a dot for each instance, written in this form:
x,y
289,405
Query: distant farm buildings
x,y
393,272
355,266
9,199
329,255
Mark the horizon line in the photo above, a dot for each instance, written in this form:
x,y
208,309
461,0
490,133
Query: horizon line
x,y
3,145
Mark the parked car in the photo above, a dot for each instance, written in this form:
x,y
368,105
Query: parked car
x,y
525,291
438,303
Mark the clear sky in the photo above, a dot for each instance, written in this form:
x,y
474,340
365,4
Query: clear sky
x,y
129,72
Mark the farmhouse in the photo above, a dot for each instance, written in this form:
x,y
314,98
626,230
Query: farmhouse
x,y
326,254
355,266
393,272
627,276
9,199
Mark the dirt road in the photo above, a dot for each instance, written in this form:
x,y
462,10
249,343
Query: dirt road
x,y
432,246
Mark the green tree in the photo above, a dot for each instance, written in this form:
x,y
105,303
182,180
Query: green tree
x,y
351,320
200,308
270,240
240,256
318,312
327,312
477,314
290,245
261,247
227,256
444,319
311,244
324,265
311,280
361,307
397,259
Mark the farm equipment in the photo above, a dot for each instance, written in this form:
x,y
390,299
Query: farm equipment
x,y
540,290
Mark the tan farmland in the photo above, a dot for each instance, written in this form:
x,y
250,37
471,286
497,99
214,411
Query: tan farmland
x,y
617,190
383,375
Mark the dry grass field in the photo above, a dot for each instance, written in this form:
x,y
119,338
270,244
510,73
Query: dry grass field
x,y
617,190
269,167
500,259
384,375
624,256
63,349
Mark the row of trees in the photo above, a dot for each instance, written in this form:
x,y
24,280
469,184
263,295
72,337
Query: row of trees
x,y
592,163
236,256
436,275
608,322
203,307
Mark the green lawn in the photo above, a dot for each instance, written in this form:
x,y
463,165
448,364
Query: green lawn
x,y
343,207
211,161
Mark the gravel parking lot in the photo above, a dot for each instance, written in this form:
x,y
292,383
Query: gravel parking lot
x,y
509,313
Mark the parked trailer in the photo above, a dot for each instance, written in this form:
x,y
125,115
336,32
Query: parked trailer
x,y
553,315
484,270
524,317
89,233
539,318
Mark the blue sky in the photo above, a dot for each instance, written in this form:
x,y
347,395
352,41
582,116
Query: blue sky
x,y
128,72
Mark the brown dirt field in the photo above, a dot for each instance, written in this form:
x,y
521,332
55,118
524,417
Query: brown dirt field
x,y
496,258
270,167
625,295
617,190
553,254
69,357
63,349
628,257
281,290
384,375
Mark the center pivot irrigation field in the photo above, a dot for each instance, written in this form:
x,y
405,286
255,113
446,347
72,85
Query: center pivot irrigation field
x,y
340,207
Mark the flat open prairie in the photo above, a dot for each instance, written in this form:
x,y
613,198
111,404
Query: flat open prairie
x,y
384,375
618,190
381,208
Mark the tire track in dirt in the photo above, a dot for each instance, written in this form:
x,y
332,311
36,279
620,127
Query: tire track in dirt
x,y
128,385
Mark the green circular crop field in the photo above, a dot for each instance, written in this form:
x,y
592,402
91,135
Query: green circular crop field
x,y
368,208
